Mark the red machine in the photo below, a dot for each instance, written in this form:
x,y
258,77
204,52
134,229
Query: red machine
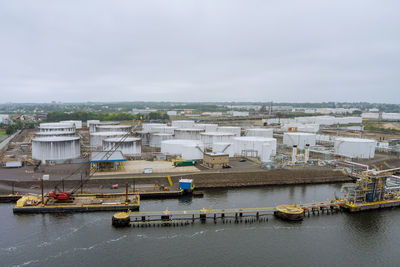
x,y
59,196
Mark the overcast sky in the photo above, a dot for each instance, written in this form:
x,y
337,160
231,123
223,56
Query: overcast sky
x,y
267,50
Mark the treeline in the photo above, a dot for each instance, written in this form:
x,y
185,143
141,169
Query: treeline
x,y
19,125
103,116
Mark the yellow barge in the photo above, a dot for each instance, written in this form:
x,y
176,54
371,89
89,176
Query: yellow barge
x,y
33,204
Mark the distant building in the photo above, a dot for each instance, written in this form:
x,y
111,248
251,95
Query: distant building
x,y
5,119
215,160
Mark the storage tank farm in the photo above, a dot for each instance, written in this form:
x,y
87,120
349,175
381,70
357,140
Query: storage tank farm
x,y
221,147
209,138
129,146
55,148
147,129
252,146
188,133
262,132
187,149
96,138
355,147
299,139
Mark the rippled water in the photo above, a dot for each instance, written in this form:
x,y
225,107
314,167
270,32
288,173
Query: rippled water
x,y
369,238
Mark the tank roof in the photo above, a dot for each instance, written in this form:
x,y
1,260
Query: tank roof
x,y
114,126
300,133
55,138
218,133
108,133
254,138
190,130
352,139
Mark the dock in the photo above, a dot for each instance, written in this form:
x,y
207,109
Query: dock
x,y
164,218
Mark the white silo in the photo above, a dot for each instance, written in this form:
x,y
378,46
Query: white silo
x,y
261,132
163,129
355,147
299,139
230,129
208,138
93,126
266,152
129,146
114,128
56,148
188,133
96,139
183,124
89,122
252,145
223,148
54,133
144,136
207,127
187,149
157,138
78,124
148,127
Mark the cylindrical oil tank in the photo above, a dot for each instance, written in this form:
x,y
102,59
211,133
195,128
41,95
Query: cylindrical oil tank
x,y
207,127
187,149
163,129
89,122
252,145
262,132
299,139
78,124
93,126
129,146
114,128
96,139
209,138
355,147
188,133
157,138
147,127
227,148
183,124
56,148
230,129
57,127
144,136
266,152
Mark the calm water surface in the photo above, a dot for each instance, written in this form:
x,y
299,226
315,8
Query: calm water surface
x,y
363,239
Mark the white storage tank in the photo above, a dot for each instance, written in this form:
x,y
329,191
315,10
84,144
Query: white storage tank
x,y
223,148
262,132
355,147
129,146
55,133
96,139
183,124
157,138
252,145
188,133
89,122
93,126
163,129
114,128
230,129
187,149
78,124
57,127
148,127
266,152
56,148
299,139
207,127
144,136
209,138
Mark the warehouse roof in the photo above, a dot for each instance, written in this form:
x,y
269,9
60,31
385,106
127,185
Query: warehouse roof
x,y
104,156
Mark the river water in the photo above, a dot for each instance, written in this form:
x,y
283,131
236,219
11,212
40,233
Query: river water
x,y
368,238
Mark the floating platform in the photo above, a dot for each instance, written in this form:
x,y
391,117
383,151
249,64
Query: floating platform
x,y
289,212
32,204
